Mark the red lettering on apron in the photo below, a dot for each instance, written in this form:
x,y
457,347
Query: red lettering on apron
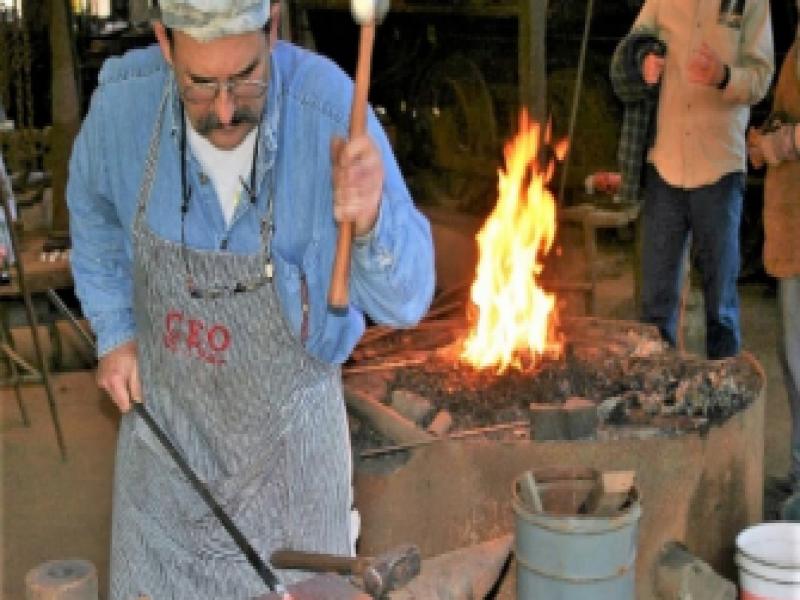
x,y
193,337
219,331
172,326
200,341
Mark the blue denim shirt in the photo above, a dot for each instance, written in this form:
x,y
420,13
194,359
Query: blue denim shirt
x,y
392,273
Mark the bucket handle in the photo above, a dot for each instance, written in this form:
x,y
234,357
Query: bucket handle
x,y
585,580
765,578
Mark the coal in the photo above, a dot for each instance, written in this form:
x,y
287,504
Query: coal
x,y
636,382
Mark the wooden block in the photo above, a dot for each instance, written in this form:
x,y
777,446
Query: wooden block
x,y
609,494
62,580
529,492
575,419
581,417
411,405
441,423
547,422
618,481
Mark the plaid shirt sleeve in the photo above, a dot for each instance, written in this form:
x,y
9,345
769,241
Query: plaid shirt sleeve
x,y
640,101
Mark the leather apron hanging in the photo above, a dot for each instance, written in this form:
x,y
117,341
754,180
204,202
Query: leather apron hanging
x,y
258,419
781,202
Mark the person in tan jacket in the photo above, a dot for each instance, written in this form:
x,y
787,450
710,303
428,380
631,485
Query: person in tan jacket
x,y
776,144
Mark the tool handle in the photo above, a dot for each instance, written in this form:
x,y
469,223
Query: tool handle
x,y
267,575
317,562
338,292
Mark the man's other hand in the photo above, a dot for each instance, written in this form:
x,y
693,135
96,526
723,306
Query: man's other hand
x,y
705,66
754,147
357,182
652,68
772,147
118,374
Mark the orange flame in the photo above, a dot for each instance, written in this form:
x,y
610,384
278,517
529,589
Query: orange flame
x,y
516,318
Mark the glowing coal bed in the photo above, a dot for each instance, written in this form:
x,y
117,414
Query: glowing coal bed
x,y
627,378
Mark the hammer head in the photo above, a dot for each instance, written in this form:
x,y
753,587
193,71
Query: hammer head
x,y
391,570
369,11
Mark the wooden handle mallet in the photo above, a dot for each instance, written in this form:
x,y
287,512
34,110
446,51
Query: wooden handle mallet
x,y
367,13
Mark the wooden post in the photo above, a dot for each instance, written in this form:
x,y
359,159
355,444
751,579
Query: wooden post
x,y
532,25
66,107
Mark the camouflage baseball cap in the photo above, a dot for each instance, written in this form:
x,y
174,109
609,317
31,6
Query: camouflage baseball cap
x,y
209,19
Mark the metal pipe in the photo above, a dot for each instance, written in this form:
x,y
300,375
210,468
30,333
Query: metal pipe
x,y
458,435
5,188
64,310
16,377
575,99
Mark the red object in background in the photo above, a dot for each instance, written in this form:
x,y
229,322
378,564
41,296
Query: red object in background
x,y
606,182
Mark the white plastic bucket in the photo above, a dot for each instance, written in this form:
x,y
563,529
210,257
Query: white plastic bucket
x,y
768,557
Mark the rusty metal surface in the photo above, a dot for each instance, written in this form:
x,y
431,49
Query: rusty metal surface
x,y
321,587
463,574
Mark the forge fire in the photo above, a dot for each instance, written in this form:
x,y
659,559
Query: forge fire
x,y
504,355
512,318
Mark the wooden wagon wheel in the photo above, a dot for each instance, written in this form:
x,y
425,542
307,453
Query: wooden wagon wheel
x,y
457,123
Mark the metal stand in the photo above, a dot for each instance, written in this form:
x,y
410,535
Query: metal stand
x,y
89,346
16,376
43,371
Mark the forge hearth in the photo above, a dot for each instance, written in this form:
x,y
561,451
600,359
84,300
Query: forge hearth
x,y
623,372
615,399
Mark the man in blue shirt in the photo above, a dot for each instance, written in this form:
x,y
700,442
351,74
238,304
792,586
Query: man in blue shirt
x,y
205,187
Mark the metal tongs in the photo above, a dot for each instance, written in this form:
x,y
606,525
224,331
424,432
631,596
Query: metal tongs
x,y
268,575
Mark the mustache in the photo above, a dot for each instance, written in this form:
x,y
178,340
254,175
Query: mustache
x,y
241,116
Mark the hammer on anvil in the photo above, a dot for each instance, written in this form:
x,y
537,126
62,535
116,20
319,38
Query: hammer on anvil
x,y
366,13
380,574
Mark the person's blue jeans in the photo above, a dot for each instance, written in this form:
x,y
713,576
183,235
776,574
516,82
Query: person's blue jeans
x,y
789,354
711,214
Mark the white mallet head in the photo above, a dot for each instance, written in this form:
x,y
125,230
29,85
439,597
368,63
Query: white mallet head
x,y
366,11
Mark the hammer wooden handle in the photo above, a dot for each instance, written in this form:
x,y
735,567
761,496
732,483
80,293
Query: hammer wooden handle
x,y
317,562
338,292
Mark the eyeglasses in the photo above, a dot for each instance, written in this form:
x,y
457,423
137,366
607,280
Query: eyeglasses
x,y
251,284
222,291
267,232
207,91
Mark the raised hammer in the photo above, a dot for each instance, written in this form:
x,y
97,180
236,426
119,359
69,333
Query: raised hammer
x,y
366,13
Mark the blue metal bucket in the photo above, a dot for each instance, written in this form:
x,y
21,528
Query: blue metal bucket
x,y
562,555
790,509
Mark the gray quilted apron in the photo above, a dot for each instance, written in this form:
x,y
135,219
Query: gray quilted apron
x,y
257,418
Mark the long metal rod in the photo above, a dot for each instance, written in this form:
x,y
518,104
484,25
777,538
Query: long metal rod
x,y
576,96
64,310
383,366
5,187
453,436
19,361
16,376
267,575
